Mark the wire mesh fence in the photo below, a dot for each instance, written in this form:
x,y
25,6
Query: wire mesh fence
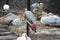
x,y
18,4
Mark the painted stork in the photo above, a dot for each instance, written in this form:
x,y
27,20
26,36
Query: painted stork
x,y
31,18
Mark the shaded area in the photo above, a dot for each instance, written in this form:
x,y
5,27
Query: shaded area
x,y
54,6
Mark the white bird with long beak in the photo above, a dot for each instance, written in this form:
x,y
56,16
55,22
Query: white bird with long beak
x,y
24,37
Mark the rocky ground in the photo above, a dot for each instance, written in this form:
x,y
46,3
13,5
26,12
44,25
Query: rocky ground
x,y
46,33
43,33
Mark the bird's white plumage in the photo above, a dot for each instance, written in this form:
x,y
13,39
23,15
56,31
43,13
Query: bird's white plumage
x,y
24,34
17,22
6,7
24,37
30,16
50,19
35,5
41,4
